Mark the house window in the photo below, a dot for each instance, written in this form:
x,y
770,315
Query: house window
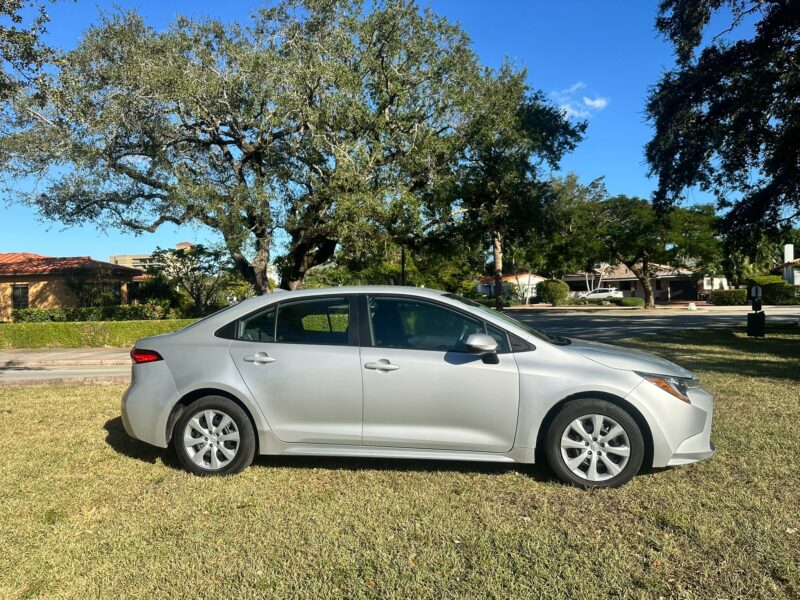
x,y
19,296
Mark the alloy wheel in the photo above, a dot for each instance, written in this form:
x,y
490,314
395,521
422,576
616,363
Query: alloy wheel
x,y
595,447
211,439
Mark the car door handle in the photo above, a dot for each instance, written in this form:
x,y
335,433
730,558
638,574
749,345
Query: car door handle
x,y
381,365
259,358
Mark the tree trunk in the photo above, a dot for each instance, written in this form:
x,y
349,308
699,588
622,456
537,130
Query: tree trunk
x,y
643,275
497,250
261,265
302,256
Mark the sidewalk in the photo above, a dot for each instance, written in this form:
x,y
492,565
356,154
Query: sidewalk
x,y
65,366
65,357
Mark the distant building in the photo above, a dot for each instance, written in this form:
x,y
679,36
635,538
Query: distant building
x,y
35,281
520,285
669,284
142,261
790,268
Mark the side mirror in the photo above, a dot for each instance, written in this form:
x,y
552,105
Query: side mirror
x,y
481,344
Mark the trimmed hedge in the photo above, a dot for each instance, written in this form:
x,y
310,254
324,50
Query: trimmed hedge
x,y
124,312
775,289
729,297
553,291
627,301
637,302
89,334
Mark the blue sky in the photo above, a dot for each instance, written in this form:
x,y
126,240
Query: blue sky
x,y
597,59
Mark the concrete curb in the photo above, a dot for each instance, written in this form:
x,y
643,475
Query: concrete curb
x,y
61,381
63,363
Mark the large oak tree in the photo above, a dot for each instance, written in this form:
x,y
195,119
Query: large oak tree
x,y
310,124
727,117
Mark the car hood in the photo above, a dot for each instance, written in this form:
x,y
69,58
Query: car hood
x,y
625,359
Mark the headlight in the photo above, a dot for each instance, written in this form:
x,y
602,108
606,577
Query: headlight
x,y
677,386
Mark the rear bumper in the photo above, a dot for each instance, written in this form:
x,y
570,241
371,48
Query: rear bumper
x,y
681,431
146,401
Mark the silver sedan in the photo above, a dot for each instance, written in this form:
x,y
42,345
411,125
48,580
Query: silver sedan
x,y
408,373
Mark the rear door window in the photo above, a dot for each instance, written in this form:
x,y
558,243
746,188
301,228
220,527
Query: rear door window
x,y
314,321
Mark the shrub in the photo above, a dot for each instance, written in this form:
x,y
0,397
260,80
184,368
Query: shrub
x,y
762,280
729,297
774,289
553,291
780,293
125,312
635,302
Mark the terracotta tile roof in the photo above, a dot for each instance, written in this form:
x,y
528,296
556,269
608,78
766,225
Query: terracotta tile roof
x,y
796,261
12,257
25,263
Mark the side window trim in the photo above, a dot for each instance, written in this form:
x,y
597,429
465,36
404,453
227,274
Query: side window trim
x,y
231,330
366,319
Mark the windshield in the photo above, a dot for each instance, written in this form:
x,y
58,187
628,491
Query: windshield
x,y
553,339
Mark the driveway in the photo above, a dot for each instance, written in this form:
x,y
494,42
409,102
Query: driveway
x,y
610,325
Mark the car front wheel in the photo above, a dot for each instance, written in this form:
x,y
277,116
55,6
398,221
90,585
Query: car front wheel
x,y
594,443
214,436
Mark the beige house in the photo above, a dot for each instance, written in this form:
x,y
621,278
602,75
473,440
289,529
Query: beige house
x,y
35,281
669,284
520,285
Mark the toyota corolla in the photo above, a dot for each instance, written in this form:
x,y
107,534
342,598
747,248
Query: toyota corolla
x,y
408,373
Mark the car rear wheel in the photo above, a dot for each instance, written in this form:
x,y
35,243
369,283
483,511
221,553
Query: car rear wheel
x,y
214,436
594,443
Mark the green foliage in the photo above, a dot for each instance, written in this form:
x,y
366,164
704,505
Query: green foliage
x,y
726,116
729,297
92,334
774,289
763,280
318,122
511,131
96,287
553,249
552,291
630,231
198,271
627,301
22,54
156,289
635,302
125,312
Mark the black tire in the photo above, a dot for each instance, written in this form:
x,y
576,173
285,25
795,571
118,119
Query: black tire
x,y
603,455
243,449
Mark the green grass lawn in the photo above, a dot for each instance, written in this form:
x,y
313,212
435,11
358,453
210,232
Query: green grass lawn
x,y
88,512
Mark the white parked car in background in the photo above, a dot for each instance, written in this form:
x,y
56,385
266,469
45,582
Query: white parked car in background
x,y
602,294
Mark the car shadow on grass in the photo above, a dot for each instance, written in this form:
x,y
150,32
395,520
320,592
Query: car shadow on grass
x,y
538,472
121,442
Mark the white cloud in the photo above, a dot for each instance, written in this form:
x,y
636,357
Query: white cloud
x,y
575,106
598,103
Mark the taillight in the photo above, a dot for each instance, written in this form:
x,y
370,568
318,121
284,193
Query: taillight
x,y
139,356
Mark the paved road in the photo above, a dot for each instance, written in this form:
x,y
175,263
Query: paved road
x,y
616,325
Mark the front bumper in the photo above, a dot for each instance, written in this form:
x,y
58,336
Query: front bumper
x,y
681,431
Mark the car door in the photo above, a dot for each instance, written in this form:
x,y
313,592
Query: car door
x,y
422,389
300,360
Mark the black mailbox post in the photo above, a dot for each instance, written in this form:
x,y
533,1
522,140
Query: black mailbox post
x,y
756,320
